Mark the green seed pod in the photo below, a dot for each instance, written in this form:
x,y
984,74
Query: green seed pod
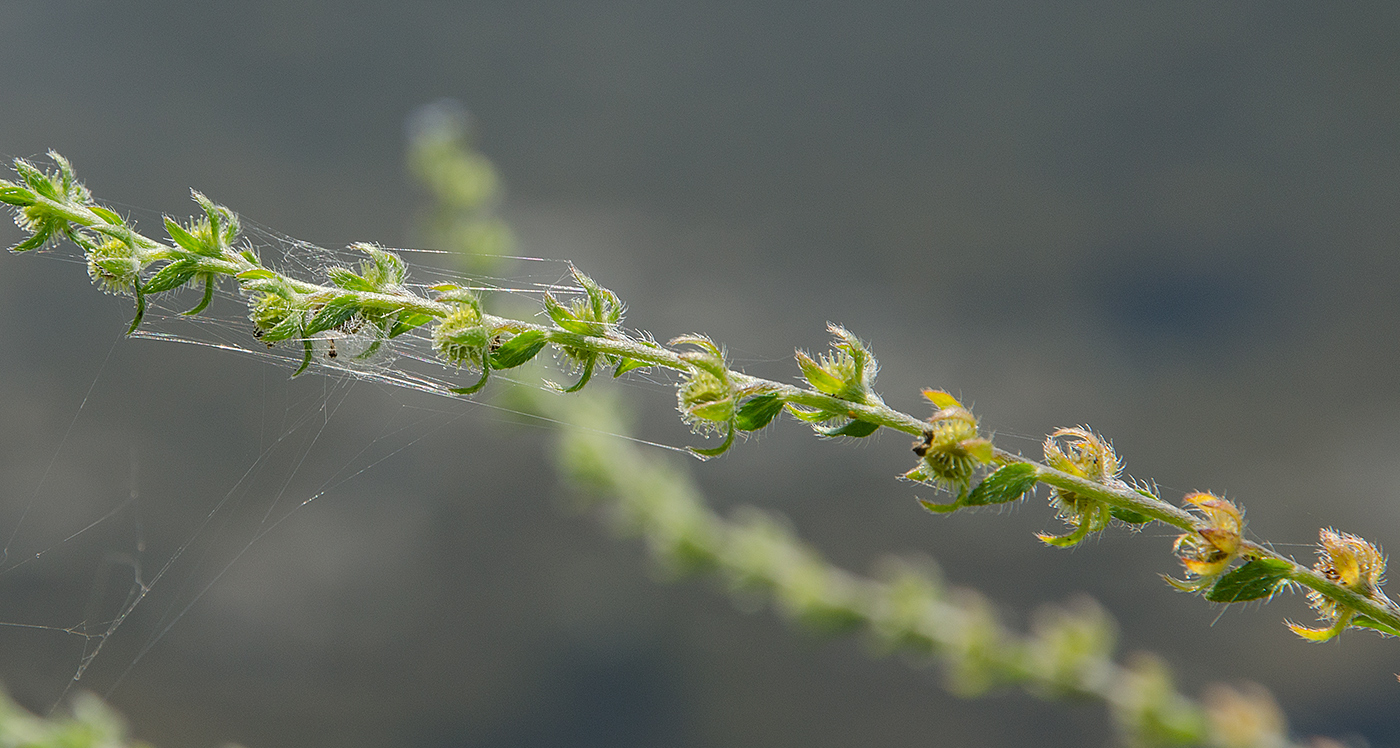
x,y
705,401
113,267
460,339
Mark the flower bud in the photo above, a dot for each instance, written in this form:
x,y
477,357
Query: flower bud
x,y
1084,454
460,339
1210,550
951,449
114,267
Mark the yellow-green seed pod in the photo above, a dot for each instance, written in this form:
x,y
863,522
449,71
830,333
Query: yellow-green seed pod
x,y
113,267
460,339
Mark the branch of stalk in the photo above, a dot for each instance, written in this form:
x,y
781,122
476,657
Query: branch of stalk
x,y
1081,469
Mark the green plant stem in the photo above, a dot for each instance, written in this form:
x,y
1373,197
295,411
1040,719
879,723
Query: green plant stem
x,y
590,333
1383,610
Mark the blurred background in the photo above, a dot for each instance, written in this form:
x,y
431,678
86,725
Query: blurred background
x,y
1173,222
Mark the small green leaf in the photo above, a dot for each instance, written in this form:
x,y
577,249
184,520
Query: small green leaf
x,y
918,474
1124,514
208,296
706,454
172,276
818,377
1006,484
1259,578
853,427
1371,623
480,383
182,237
519,349
140,309
409,321
565,319
347,280
757,412
305,357
36,241
812,416
288,328
383,269
107,215
15,195
587,374
333,313
715,411
256,274
37,180
629,364
937,508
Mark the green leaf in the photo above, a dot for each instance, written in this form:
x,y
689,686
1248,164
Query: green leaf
x,y
1371,623
34,242
37,180
587,374
1124,514
853,427
288,328
172,276
472,390
182,237
937,508
812,416
140,309
566,320
818,377
519,349
256,274
347,280
389,266
15,195
629,364
757,412
1006,484
208,296
1259,578
409,321
305,357
333,313
706,454
716,411
107,215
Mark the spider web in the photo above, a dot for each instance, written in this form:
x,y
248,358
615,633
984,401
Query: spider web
x,y
146,576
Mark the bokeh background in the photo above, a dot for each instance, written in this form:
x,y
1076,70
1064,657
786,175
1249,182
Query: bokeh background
x,y
1175,222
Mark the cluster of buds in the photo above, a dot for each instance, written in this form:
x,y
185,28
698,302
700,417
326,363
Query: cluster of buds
x,y
460,338
1083,454
707,397
597,313
37,218
1208,551
950,450
846,373
1352,563
114,266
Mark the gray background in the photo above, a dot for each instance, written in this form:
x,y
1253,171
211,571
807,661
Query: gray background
x,y
1173,222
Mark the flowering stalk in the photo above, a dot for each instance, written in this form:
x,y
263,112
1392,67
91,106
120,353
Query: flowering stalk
x,y
373,301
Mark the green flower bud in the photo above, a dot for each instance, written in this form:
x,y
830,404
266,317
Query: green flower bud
x,y
460,338
113,267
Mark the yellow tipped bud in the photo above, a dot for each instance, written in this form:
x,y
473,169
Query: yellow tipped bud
x,y
1209,551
